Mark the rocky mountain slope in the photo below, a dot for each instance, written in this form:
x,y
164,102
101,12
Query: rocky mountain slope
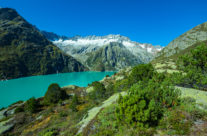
x,y
94,51
24,51
112,56
189,38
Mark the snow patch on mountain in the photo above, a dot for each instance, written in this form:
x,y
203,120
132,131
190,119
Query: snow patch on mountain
x,y
98,41
85,42
149,49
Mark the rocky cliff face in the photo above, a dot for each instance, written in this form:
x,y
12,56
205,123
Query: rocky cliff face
x,y
24,51
120,49
189,38
112,56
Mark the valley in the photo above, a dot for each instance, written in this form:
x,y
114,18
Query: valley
x,y
56,85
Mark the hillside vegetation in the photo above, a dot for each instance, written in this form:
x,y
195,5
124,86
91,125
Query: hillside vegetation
x,y
24,51
135,101
161,98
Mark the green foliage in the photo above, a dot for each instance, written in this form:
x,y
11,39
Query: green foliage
x,y
54,94
144,105
109,89
49,132
99,91
194,65
141,72
196,59
74,103
176,122
19,109
105,132
121,85
107,125
63,114
31,105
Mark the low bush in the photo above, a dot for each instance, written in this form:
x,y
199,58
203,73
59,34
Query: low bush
x,y
121,85
74,103
54,94
63,114
99,91
49,132
144,105
141,72
176,122
31,105
194,65
109,89
19,109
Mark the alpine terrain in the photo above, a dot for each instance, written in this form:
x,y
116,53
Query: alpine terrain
x,y
24,51
110,52
189,38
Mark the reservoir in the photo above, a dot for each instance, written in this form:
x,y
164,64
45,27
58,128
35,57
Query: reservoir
x,y
27,87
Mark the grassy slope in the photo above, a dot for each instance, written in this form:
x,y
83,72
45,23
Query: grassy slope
x,y
105,121
94,111
198,95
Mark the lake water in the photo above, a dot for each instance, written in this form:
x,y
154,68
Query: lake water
x,y
27,87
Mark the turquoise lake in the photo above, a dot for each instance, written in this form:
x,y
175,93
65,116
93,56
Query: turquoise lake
x,y
27,87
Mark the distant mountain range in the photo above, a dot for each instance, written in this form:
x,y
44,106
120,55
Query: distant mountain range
x,y
24,51
27,51
111,52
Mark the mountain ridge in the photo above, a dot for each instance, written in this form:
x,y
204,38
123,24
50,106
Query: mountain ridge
x,y
83,48
187,39
26,52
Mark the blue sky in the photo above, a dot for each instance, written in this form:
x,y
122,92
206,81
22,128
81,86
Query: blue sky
x,y
146,21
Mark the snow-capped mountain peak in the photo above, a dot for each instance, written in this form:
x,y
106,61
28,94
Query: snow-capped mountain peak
x,y
79,41
110,52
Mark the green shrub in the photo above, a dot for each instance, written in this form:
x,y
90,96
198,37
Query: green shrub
x,y
74,103
63,114
194,65
144,105
99,91
141,72
109,89
31,105
49,132
54,94
19,109
176,122
121,85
